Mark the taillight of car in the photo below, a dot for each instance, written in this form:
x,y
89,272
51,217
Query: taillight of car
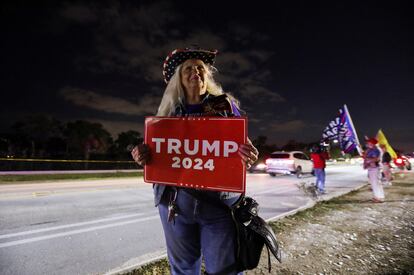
x,y
399,161
267,161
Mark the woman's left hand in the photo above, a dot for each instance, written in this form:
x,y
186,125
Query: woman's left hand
x,y
248,153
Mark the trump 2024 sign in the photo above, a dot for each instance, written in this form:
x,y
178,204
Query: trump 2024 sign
x,y
196,152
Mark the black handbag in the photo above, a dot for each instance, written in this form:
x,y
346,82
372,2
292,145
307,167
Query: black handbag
x,y
249,248
253,233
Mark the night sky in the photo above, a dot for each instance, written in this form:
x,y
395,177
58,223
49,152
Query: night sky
x,y
291,65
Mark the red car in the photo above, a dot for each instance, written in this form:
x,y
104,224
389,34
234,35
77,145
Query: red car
x,y
402,162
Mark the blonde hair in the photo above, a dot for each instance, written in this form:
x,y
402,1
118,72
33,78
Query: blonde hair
x,y
174,92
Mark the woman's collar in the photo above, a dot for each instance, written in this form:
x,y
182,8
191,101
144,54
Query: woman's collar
x,y
204,97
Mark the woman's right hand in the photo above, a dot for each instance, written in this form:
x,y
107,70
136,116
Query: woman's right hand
x,y
141,154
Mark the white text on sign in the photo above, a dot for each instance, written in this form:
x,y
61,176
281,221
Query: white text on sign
x,y
175,146
197,164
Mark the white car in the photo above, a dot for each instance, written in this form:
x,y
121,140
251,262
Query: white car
x,y
295,162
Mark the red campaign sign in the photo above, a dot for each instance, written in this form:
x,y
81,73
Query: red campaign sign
x,y
196,152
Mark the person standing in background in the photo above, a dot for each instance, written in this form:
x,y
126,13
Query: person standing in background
x,y
386,164
319,156
371,163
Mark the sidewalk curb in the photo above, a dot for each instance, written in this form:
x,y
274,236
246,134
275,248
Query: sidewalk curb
x,y
124,270
310,204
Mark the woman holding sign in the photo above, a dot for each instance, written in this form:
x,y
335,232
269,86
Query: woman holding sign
x,y
194,222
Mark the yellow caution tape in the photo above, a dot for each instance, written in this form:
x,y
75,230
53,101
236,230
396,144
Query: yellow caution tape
x,y
69,160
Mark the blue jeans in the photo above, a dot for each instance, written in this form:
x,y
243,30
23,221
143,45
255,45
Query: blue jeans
x,y
199,229
320,179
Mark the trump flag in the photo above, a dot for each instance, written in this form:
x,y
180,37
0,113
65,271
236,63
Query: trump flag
x,y
342,129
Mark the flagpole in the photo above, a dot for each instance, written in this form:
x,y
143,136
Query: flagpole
x,y
359,148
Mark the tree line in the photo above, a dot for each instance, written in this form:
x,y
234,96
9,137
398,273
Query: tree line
x,y
40,136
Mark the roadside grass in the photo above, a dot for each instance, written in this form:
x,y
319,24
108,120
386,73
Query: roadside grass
x,y
318,210
34,178
155,268
159,267
323,207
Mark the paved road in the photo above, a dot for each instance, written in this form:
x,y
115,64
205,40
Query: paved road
x,y
100,226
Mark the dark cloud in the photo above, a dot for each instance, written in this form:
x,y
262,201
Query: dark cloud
x,y
110,104
293,126
291,67
79,13
130,41
260,94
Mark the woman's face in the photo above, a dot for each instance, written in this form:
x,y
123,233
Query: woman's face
x,y
193,75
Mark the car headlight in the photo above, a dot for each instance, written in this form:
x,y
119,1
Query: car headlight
x,y
261,166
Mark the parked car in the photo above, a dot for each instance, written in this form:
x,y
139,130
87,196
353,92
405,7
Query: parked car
x,y
295,162
402,162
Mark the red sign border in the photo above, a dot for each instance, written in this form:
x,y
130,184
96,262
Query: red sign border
x,y
244,119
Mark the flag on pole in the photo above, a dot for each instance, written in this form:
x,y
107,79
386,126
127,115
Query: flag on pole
x,y
383,140
342,129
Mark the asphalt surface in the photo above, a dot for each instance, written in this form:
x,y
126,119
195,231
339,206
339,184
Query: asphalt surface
x,y
104,226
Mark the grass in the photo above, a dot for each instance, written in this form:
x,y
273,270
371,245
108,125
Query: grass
x,y
159,267
318,210
48,177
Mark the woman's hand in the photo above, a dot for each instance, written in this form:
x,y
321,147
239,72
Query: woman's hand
x,y
248,153
141,154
